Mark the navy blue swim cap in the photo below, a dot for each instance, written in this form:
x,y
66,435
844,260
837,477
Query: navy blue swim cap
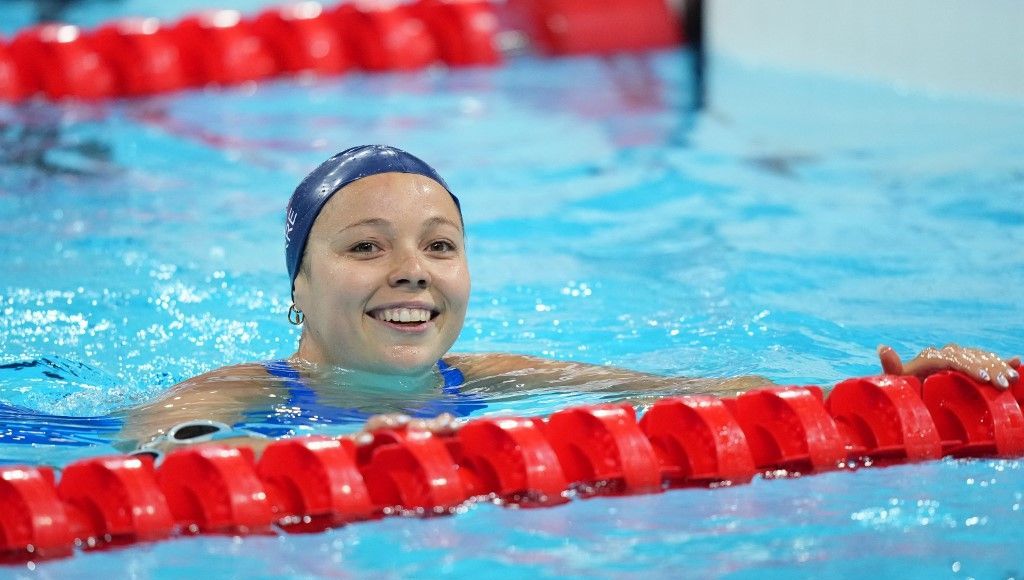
x,y
337,172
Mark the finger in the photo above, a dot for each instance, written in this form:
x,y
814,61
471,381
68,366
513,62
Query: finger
x,y
387,421
419,425
891,363
1004,375
443,424
362,439
1013,373
922,367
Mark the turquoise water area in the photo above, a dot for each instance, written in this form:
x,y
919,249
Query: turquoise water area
x,y
785,229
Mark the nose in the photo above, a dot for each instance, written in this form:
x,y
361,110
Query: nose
x,y
409,271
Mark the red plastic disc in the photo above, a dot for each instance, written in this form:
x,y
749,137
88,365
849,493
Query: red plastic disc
x,y
590,27
62,62
120,498
33,522
14,86
463,30
303,38
788,428
698,441
410,468
885,419
1017,388
313,483
385,36
218,46
603,445
511,458
974,419
143,54
212,488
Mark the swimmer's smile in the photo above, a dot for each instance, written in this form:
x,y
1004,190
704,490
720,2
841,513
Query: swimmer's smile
x,y
411,317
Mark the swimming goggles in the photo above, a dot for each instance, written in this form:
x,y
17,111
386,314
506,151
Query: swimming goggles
x,y
191,433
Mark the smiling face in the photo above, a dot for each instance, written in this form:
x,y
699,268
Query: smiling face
x,y
384,284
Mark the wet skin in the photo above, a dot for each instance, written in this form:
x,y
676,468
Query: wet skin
x,y
384,247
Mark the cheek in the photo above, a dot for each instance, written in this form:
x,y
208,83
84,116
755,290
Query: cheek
x,y
459,285
336,285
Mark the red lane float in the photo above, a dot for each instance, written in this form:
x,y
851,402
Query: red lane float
x,y
698,441
463,31
62,62
220,47
884,419
511,458
562,27
788,429
409,469
115,500
1018,390
974,420
14,85
386,36
215,489
142,56
603,446
314,483
33,520
303,37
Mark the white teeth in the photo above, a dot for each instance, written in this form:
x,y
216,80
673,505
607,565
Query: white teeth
x,y
403,315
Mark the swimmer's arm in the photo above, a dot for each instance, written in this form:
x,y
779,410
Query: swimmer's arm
x,y
221,395
517,372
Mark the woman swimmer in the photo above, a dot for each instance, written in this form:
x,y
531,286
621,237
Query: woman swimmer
x,y
375,247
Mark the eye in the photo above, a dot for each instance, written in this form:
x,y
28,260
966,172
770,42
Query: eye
x,y
364,248
441,246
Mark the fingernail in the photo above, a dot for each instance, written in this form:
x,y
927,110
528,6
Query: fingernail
x,y
1013,374
983,375
1001,379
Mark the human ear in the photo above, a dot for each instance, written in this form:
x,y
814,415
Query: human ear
x,y
300,291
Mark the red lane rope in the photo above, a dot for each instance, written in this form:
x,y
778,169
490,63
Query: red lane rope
x,y
143,56
315,483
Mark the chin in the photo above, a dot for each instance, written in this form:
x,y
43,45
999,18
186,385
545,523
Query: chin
x,y
408,362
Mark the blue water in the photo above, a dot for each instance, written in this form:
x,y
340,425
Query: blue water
x,y
785,230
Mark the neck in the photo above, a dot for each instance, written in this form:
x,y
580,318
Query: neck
x,y
337,375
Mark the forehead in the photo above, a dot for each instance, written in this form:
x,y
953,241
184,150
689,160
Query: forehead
x,y
392,196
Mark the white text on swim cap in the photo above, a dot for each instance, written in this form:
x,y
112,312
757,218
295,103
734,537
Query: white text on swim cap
x,y
289,225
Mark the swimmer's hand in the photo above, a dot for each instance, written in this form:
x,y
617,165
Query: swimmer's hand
x,y
984,366
443,424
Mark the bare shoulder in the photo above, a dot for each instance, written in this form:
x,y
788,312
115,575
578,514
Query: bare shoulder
x,y
483,365
229,379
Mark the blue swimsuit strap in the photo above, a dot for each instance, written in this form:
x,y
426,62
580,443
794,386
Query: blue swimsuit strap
x,y
301,394
453,378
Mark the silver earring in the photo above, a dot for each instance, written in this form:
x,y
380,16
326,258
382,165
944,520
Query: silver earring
x,y
295,316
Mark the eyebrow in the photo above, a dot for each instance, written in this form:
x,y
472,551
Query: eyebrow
x,y
381,222
441,221
378,222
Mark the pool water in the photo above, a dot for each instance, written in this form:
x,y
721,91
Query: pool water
x,y
785,229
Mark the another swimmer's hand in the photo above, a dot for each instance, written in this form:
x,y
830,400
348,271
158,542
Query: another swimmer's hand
x,y
980,364
443,424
